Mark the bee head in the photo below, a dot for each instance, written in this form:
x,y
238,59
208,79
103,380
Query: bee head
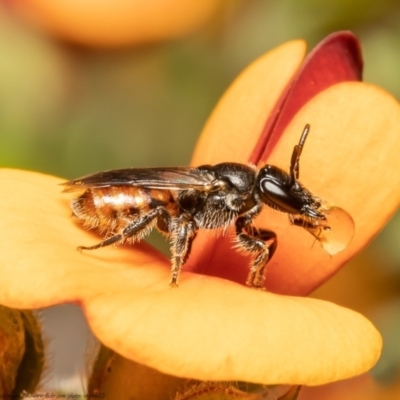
x,y
280,191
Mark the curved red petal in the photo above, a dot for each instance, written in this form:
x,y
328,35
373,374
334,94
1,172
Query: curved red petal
x,y
335,59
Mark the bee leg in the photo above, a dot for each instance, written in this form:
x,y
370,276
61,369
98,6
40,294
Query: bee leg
x,y
136,228
260,242
182,236
182,233
317,229
257,269
104,243
303,223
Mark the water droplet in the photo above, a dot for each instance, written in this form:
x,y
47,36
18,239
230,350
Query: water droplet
x,y
336,233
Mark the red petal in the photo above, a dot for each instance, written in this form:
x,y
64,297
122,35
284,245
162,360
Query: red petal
x,y
336,59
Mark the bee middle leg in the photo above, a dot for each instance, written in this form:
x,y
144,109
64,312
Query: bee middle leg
x,y
182,234
260,242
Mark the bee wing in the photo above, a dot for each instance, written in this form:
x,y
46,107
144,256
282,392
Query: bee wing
x,y
174,178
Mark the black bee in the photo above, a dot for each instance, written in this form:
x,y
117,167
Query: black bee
x,y
125,205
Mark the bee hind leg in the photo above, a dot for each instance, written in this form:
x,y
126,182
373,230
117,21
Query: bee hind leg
x,y
136,229
260,242
107,242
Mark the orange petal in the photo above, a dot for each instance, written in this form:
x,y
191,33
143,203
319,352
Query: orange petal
x,y
41,265
211,329
207,329
118,22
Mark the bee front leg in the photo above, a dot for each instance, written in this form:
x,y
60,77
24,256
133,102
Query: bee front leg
x,y
260,242
182,234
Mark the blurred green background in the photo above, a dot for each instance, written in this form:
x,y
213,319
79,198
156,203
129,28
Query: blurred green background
x,y
69,110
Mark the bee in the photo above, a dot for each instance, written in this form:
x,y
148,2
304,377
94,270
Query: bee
x,y
125,205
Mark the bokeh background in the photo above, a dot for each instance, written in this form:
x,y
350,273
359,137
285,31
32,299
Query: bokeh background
x,y
88,86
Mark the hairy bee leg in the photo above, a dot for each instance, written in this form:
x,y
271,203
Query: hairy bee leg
x,y
135,228
259,264
261,242
181,240
107,242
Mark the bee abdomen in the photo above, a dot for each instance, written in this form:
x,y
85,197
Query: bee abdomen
x,y
112,209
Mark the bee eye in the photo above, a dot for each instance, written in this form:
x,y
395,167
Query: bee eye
x,y
278,195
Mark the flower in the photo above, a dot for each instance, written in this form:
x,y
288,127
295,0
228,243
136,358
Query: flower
x,y
212,328
117,23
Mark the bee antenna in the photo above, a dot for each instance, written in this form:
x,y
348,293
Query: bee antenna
x,y
295,161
